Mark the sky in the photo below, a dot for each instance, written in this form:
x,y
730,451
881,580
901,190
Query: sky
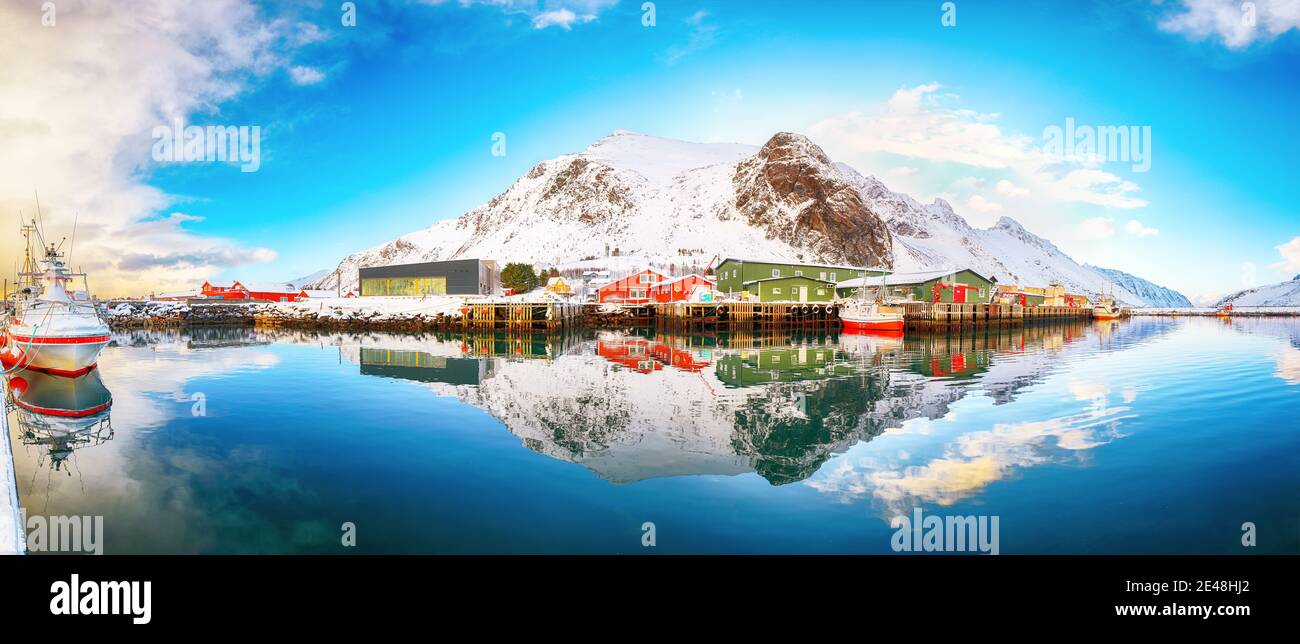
x,y
376,119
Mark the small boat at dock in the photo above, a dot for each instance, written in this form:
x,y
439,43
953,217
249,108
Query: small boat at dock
x,y
862,314
1106,309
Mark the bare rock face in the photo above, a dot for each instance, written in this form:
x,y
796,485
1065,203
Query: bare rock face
x,y
792,190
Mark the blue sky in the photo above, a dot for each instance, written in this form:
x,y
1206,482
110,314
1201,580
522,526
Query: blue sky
x,y
372,131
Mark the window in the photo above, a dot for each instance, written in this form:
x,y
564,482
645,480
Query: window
x,y
776,272
776,290
821,291
637,294
647,278
798,273
403,286
833,276
822,275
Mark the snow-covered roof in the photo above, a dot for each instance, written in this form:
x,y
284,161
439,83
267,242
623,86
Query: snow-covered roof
x,y
794,262
674,280
788,277
902,278
271,287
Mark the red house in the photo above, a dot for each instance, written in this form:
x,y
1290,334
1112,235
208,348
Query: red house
x,y
233,291
678,289
633,289
238,291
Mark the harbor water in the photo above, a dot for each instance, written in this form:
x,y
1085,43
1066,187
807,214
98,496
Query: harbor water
x,y
1144,435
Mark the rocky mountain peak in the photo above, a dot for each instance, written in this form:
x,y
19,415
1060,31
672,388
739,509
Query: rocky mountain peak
x,y
794,192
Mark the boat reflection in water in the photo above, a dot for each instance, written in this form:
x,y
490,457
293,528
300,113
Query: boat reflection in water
x,y
59,414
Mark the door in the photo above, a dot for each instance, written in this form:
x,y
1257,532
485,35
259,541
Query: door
x,y
803,293
959,294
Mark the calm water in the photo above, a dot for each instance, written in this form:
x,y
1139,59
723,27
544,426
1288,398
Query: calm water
x,y
1148,435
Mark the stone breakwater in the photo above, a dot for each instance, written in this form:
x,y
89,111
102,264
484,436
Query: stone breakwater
x,y
155,315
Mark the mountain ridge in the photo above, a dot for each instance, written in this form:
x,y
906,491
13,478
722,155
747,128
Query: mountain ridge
x,y
632,199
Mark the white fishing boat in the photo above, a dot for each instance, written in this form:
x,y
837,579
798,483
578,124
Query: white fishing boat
x,y
50,328
862,314
1106,309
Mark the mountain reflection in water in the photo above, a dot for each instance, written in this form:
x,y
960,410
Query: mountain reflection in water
x,y
1143,435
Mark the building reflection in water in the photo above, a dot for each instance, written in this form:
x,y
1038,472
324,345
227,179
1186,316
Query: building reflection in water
x,y
644,404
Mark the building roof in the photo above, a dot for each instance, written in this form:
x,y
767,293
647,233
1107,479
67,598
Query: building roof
x,y
270,288
898,279
792,262
674,280
789,277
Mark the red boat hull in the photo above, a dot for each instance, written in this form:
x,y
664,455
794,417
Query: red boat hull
x,y
888,325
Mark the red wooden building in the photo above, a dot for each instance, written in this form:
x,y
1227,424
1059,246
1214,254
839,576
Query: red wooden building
x,y
633,289
678,289
238,291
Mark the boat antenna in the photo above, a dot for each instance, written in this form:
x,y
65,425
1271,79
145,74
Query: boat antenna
x,y
38,214
75,217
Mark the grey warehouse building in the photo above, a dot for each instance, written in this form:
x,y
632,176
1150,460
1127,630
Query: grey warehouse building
x,y
454,277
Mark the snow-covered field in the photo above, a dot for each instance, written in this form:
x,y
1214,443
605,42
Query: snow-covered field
x,y
378,308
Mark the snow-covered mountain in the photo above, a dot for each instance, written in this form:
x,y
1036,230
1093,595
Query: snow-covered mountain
x,y
657,201
303,281
1283,294
1152,294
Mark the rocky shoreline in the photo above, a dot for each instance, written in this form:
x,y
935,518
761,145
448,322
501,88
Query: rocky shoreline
x,y
125,316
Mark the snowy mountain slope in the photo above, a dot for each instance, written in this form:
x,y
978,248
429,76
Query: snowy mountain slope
x,y
1152,294
649,198
308,279
1283,294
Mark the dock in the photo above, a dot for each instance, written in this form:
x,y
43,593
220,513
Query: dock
x,y
12,540
533,316
920,316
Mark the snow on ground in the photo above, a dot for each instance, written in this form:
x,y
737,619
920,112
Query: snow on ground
x,y
11,530
376,307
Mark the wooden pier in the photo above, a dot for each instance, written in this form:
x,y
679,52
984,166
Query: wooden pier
x,y
917,315
938,316
537,316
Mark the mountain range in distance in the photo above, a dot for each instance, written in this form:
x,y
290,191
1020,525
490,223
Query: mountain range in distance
x,y
632,200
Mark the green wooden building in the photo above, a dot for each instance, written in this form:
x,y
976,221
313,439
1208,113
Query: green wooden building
x,y
734,274
791,289
963,287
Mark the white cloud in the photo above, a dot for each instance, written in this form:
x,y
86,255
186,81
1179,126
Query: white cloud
x,y
1010,189
983,205
920,123
1095,229
903,171
306,75
701,35
1138,229
1290,256
1234,23
563,18
90,158
553,13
